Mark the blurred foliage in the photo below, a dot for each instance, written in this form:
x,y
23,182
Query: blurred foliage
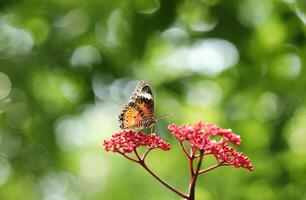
x,y
67,67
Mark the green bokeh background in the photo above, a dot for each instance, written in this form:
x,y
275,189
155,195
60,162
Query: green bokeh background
x,y
67,67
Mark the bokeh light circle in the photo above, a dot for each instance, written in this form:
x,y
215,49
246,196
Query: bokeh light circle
x,y
5,85
5,170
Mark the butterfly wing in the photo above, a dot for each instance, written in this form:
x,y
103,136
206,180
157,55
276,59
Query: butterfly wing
x,y
130,116
139,112
142,90
147,109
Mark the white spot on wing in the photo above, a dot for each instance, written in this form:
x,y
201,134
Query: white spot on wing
x,y
145,95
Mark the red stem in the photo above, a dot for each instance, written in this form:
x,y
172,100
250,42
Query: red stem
x,y
212,167
194,176
132,159
191,168
146,153
190,159
143,164
184,149
162,181
138,156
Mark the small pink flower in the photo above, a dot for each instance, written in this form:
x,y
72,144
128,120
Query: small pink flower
x,y
128,141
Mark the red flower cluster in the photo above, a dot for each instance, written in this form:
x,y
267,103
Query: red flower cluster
x,y
203,136
128,141
228,155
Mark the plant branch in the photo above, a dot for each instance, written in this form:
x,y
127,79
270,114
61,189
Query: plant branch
x,y
192,151
212,167
132,159
138,156
162,181
194,177
184,149
143,164
146,153
191,168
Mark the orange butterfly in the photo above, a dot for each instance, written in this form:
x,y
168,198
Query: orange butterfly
x,y
139,112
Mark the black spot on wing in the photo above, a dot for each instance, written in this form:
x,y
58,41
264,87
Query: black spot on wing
x,y
141,88
147,89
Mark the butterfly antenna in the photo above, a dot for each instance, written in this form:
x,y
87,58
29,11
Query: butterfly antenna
x,y
158,118
163,116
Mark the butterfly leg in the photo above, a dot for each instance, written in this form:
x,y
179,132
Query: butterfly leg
x,y
152,128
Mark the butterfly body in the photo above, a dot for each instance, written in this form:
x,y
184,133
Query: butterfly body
x,y
138,113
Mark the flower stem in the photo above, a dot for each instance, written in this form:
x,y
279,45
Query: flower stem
x,y
162,181
184,149
191,168
194,177
131,159
146,153
143,164
212,167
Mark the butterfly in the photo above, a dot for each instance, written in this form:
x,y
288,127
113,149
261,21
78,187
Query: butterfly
x,y
138,113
